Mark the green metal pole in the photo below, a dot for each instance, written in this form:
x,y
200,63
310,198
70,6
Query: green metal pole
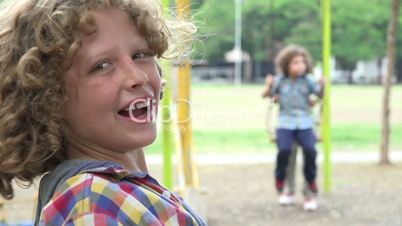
x,y
326,127
167,136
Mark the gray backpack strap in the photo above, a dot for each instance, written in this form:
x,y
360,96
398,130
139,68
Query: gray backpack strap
x,y
67,169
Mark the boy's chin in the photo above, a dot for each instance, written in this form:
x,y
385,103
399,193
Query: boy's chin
x,y
146,139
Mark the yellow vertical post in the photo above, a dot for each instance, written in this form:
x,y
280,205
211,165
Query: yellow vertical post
x,y
183,106
191,190
326,131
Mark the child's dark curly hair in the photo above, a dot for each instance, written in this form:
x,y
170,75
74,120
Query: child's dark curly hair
x,y
284,57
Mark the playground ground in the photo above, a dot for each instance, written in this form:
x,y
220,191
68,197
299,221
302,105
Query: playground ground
x,y
363,194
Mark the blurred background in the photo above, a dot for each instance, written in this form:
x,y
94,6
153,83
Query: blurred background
x,y
235,49
359,30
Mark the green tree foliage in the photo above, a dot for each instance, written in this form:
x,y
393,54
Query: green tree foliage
x,y
359,28
215,21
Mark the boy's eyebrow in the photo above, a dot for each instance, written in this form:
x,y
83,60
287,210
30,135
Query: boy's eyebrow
x,y
142,42
132,45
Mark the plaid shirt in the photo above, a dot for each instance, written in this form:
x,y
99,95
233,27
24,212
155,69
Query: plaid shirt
x,y
115,196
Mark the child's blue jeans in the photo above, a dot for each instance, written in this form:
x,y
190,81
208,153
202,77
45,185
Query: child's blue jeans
x,y
307,140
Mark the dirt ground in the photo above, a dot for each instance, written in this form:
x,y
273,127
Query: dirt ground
x,y
363,194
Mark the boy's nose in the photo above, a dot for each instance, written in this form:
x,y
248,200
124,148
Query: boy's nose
x,y
134,75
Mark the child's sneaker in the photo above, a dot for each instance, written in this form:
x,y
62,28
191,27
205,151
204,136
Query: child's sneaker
x,y
310,204
286,199
279,186
313,187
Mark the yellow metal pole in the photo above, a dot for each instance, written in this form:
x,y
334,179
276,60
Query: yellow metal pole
x,y
183,107
326,131
184,121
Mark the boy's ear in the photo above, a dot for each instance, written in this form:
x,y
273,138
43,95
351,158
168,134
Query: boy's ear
x,y
163,81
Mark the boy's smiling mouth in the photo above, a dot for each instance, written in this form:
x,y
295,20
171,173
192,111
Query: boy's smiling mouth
x,y
139,110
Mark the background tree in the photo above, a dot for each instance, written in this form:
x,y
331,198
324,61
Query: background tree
x,y
359,28
391,43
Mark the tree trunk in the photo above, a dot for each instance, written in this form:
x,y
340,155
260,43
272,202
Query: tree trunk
x,y
379,75
391,45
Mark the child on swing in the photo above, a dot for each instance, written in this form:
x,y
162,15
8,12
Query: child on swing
x,y
292,88
79,93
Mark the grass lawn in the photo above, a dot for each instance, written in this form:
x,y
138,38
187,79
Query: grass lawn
x,y
227,119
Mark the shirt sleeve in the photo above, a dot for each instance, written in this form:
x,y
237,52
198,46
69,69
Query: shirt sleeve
x,y
314,86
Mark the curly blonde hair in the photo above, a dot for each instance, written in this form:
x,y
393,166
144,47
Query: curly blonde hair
x,y
38,40
286,55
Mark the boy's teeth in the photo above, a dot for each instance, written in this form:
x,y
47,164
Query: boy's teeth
x,y
141,105
137,106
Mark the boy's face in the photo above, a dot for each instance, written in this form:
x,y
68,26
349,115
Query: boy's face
x,y
111,72
297,66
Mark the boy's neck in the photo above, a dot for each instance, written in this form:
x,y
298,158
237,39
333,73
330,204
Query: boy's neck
x,y
131,160
293,77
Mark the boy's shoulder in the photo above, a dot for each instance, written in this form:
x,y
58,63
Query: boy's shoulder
x,y
103,181
127,196
310,77
282,79
97,192
279,78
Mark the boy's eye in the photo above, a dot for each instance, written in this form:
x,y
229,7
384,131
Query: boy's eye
x,y
141,55
101,66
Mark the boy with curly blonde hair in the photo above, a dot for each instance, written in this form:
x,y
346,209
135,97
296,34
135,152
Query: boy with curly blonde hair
x,y
79,93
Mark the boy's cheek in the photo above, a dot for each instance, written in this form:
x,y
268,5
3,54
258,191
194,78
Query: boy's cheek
x,y
157,86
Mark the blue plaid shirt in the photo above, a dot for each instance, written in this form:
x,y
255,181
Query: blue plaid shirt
x,y
294,109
